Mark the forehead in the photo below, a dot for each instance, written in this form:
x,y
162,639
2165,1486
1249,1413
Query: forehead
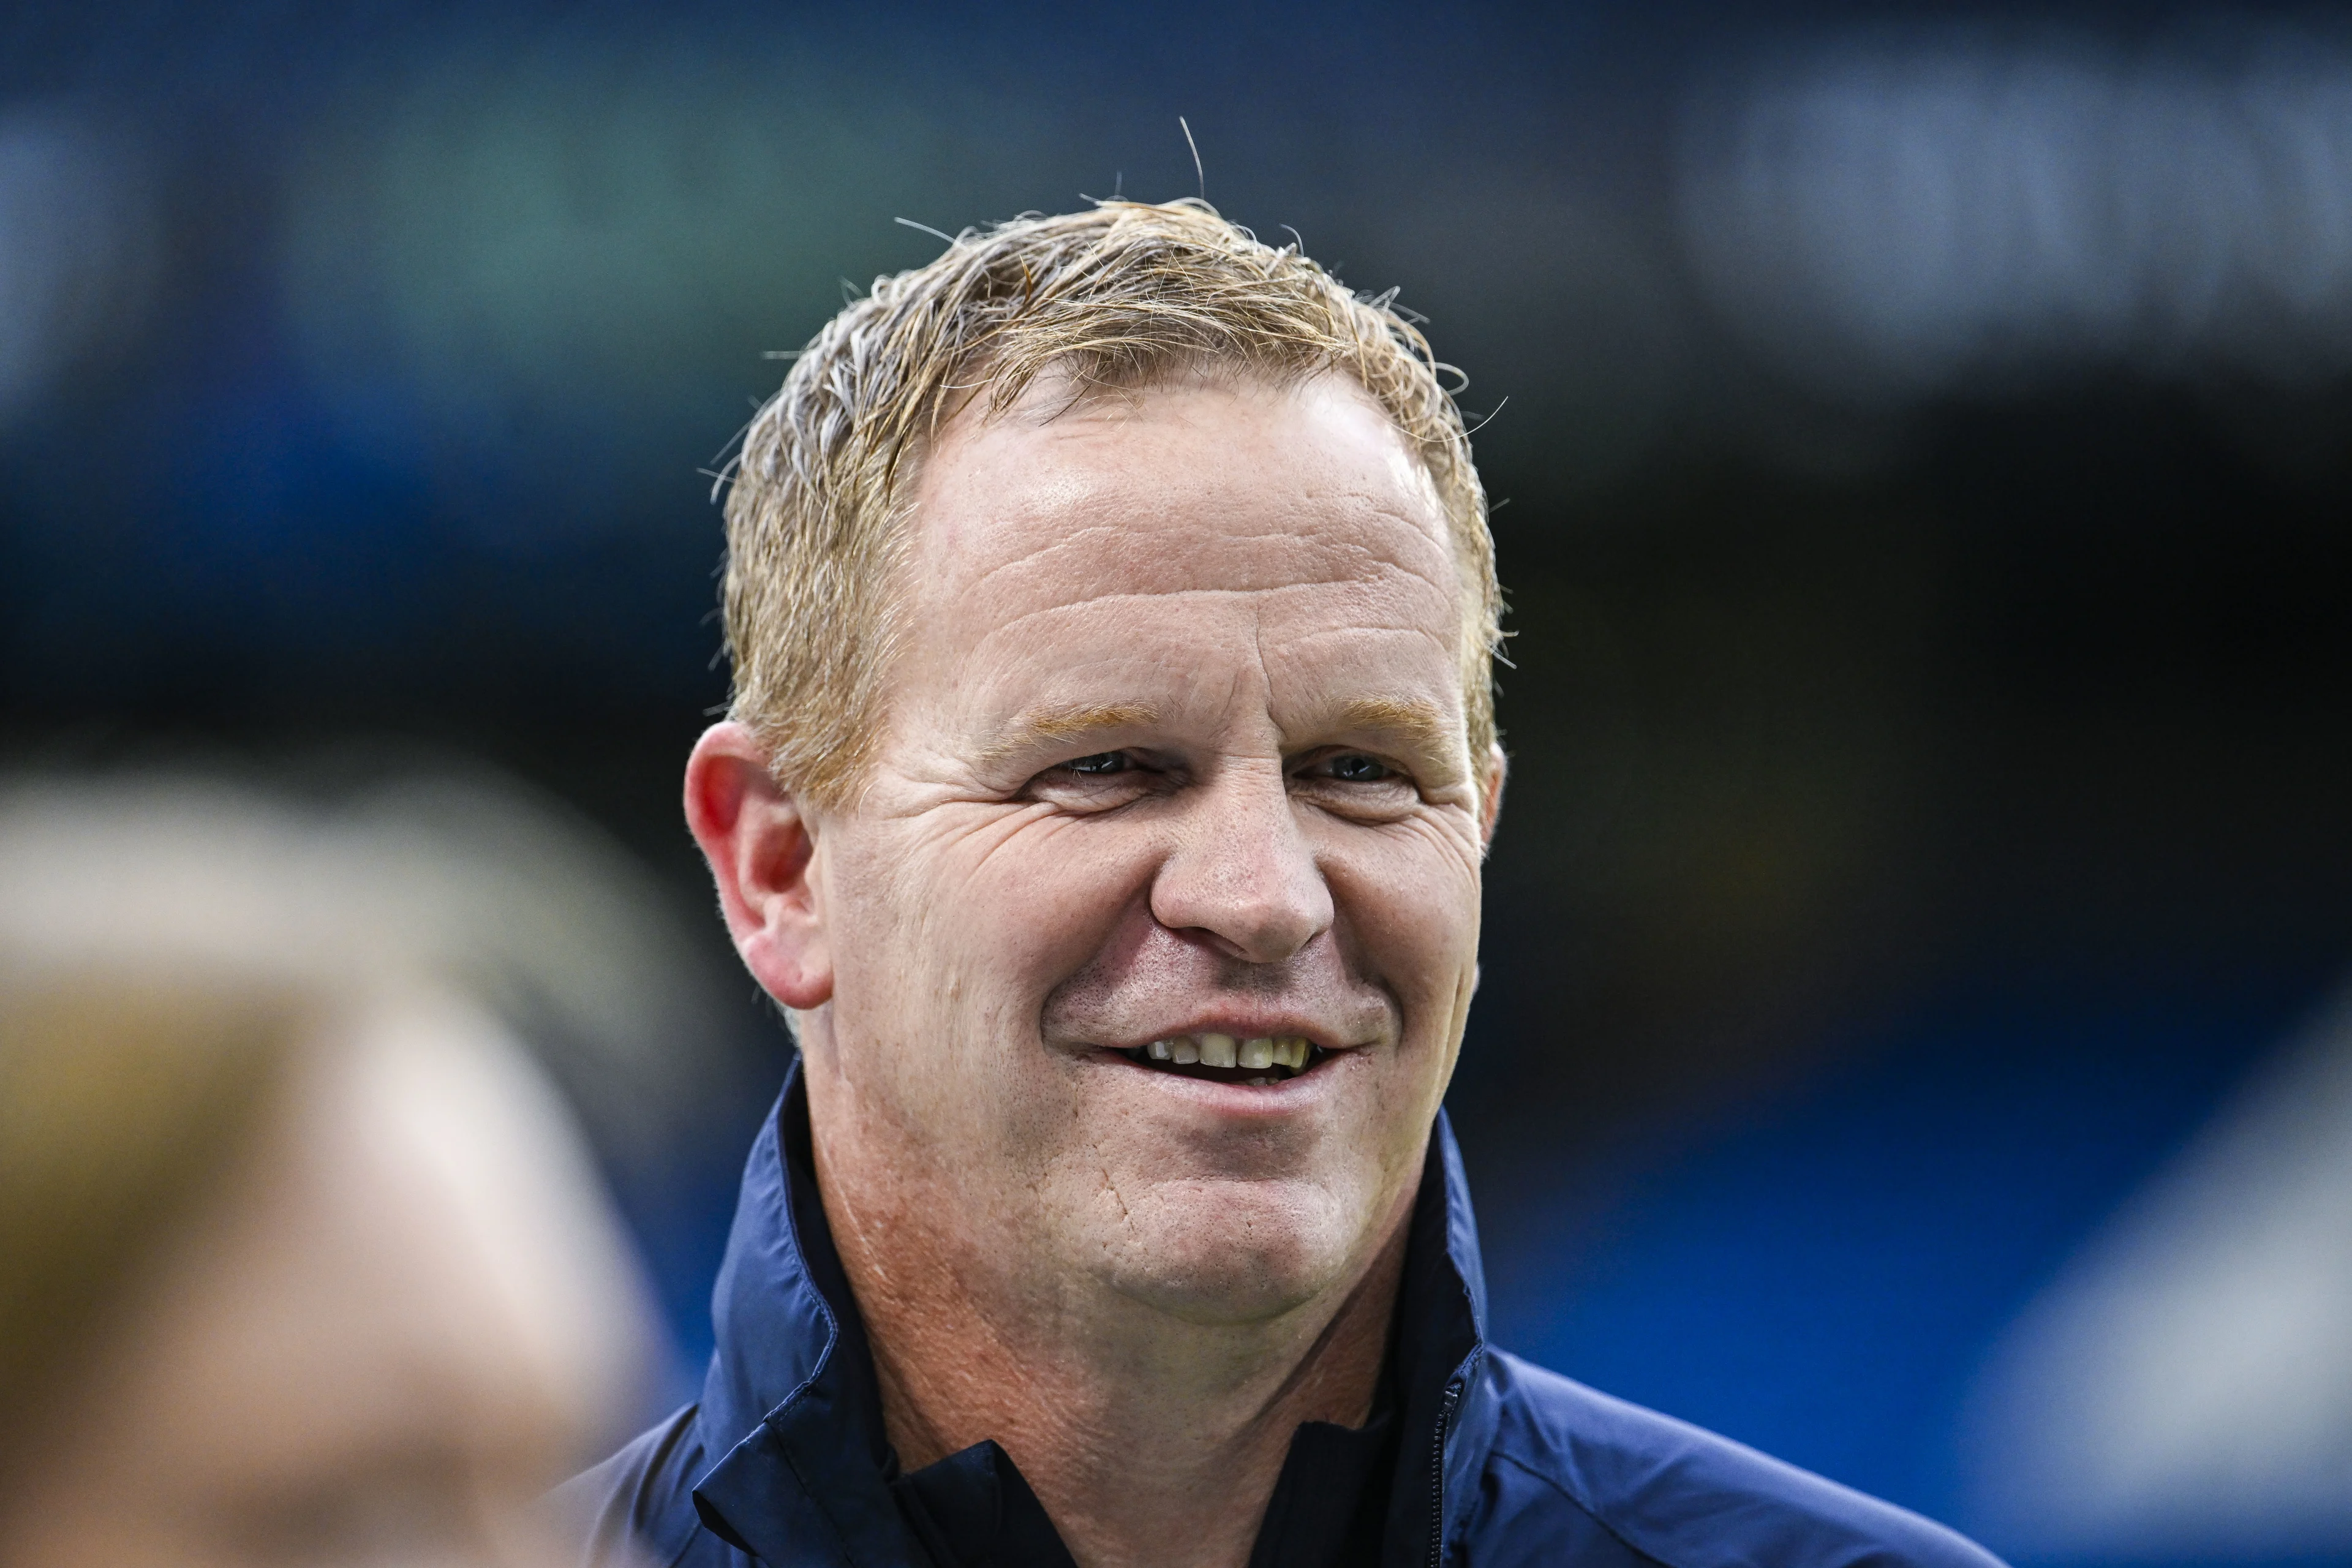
x,y
1289,527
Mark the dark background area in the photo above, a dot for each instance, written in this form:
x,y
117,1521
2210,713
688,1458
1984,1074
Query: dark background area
x,y
1929,764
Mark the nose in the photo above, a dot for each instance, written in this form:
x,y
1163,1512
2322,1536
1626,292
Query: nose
x,y
1243,873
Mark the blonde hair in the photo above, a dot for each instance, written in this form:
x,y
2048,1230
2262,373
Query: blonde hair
x,y
123,1101
1121,297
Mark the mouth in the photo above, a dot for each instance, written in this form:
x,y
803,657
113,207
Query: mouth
x,y
1260,1063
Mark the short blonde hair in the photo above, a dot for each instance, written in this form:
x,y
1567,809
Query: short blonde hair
x,y
1124,296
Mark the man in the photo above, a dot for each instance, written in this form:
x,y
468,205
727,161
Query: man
x,y
1110,766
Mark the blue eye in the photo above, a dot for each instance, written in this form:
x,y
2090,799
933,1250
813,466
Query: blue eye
x,y
1354,767
1099,764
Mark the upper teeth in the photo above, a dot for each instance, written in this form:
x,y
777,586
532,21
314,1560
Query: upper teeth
x,y
1224,1051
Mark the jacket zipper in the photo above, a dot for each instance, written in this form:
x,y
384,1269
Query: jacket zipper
x,y
1437,1475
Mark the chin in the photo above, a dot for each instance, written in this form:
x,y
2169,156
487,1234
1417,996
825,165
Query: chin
x,y
1233,1251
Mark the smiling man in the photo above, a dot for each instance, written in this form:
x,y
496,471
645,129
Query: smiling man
x,y
1110,767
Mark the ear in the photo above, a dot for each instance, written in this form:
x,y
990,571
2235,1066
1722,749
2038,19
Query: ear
x,y
762,848
1490,794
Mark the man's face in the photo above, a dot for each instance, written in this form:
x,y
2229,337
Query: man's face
x,y
1175,753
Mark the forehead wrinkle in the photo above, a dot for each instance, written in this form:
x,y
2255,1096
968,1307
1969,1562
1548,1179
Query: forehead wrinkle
x,y
1134,597
1373,564
1439,636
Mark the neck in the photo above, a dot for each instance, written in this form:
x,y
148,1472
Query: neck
x,y
1149,1440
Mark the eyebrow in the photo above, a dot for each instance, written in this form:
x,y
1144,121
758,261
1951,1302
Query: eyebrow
x,y
1417,722
1064,725
1421,725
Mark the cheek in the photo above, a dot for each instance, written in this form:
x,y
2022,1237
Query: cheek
x,y
993,908
1409,905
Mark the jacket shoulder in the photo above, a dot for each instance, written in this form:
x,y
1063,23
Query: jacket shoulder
x,y
636,1509
1574,1475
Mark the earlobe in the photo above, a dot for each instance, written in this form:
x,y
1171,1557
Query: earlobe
x,y
762,848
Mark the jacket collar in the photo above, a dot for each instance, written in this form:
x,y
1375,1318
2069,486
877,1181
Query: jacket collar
x,y
791,1398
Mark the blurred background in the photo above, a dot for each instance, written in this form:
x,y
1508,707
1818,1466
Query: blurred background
x,y
1912,1038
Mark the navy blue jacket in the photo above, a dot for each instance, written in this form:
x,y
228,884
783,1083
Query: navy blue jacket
x,y
1498,1464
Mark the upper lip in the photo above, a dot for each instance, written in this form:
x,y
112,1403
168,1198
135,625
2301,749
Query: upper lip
x,y
1260,1027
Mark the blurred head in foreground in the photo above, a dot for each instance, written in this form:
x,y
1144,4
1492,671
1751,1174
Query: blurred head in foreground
x,y
301,1260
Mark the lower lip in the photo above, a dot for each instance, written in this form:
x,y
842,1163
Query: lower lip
x,y
1286,1098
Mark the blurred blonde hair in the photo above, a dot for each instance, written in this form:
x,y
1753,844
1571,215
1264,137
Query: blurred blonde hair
x,y
176,946
124,1102
411,877
1120,298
